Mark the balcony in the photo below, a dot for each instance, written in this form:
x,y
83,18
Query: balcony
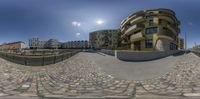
x,y
136,36
123,29
166,11
166,18
138,19
171,16
172,29
133,29
165,37
132,17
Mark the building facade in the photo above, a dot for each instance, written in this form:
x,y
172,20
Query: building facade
x,y
156,29
196,47
76,44
104,39
52,44
13,46
35,43
181,43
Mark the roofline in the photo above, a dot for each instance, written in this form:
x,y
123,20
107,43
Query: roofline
x,y
162,9
140,11
13,43
103,30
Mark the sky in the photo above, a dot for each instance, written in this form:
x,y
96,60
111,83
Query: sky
x,y
68,20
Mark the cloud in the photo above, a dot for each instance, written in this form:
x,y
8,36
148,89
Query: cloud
x,y
190,23
78,34
76,24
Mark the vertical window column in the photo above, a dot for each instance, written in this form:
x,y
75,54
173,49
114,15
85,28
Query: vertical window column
x,y
149,43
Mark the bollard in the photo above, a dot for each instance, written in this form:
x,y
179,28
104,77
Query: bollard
x,y
62,57
54,59
43,61
115,54
25,62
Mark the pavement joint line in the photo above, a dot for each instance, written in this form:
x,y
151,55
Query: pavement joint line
x,y
191,94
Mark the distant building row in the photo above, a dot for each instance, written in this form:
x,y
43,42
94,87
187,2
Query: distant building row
x,y
35,43
196,47
12,46
75,44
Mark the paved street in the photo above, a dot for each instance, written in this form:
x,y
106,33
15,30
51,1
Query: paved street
x,y
85,75
134,70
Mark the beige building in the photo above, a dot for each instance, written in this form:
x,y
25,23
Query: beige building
x,y
156,29
12,46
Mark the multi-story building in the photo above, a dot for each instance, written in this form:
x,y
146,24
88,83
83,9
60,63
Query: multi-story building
x,y
53,44
76,44
104,39
181,43
12,46
156,29
35,43
196,47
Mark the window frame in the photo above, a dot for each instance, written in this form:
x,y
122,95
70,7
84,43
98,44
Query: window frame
x,y
151,30
149,43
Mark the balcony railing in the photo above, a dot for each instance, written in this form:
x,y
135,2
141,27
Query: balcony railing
x,y
132,17
136,20
134,28
175,31
122,29
136,36
166,18
165,36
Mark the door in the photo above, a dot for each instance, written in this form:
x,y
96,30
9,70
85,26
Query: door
x,y
137,45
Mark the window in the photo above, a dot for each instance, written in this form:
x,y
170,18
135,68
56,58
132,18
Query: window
x,y
151,23
151,30
149,43
148,17
173,46
160,22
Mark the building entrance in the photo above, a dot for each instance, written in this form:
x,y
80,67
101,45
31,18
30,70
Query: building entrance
x,y
137,45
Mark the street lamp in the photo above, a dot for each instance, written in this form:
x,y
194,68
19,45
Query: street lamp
x,y
185,41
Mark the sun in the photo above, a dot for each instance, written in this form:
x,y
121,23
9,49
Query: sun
x,y
99,21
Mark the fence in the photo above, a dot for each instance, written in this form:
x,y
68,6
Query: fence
x,y
146,56
36,60
142,56
196,52
108,52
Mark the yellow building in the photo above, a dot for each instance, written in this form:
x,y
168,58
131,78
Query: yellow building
x,y
12,46
148,30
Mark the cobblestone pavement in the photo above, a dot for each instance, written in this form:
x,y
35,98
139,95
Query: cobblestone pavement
x,y
80,76
76,76
184,79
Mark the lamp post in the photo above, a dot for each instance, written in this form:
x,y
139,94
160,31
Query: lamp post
x,y
185,41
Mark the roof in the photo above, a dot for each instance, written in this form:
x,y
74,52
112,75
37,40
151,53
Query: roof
x,y
13,43
143,11
104,30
